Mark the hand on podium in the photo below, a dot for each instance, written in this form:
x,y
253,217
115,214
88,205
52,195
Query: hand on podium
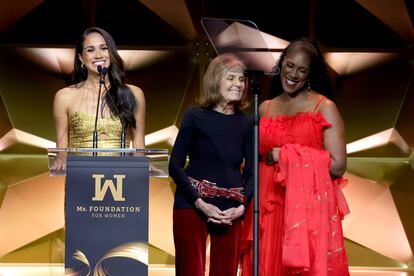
x,y
58,167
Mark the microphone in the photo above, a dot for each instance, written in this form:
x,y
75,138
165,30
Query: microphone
x,y
102,71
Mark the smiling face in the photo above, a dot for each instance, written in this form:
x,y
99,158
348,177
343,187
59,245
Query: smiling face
x,y
232,86
295,70
95,52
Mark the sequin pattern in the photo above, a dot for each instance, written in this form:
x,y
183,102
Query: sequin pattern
x,y
81,127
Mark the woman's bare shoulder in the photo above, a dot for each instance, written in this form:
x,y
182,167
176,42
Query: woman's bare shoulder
x,y
330,111
270,107
134,88
138,93
69,91
263,107
326,105
66,97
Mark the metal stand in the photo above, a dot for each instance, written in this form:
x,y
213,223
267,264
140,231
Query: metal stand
x,y
254,77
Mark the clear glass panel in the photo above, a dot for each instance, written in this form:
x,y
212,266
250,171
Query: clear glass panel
x,y
242,38
158,158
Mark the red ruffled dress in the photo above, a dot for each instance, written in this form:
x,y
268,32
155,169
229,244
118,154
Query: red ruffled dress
x,y
301,207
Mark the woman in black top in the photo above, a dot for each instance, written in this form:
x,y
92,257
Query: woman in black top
x,y
213,189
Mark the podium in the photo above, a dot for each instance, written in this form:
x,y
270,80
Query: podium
x,y
106,208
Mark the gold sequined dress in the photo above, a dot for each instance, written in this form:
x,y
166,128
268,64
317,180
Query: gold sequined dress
x,y
109,129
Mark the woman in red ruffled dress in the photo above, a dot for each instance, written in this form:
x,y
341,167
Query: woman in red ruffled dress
x,y
303,157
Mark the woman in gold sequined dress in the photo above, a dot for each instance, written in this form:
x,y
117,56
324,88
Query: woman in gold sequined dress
x,y
121,106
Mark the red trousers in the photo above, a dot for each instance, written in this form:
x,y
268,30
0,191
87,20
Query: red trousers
x,y
190,235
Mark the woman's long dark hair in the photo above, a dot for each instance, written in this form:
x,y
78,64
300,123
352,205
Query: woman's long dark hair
x,y
119,98
319,77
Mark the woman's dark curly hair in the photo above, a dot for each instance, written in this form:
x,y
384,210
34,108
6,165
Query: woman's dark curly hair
x,y
119,97
319,77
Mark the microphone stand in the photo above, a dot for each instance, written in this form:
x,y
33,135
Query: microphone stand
x,y
95,133
122,139
120,119
254,76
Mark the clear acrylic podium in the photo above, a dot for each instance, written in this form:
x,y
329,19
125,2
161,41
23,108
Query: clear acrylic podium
x,y
106,207
158,158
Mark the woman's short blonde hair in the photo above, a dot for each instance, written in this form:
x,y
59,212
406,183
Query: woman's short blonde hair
x,y
216,70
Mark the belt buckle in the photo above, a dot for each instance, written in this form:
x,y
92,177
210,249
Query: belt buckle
x,y
206,188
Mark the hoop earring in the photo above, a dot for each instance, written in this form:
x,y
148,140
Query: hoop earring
x,y
276,69
83,66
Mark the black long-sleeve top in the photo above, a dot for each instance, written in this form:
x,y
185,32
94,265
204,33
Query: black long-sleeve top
x,y
216,144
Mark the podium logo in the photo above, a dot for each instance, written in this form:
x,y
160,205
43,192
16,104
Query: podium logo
x,y
114,188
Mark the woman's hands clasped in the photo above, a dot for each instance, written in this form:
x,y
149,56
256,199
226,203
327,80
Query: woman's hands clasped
x,y
215,215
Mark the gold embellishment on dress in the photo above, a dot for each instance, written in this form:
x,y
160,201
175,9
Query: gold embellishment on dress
x,y
296,225
334,218
335,251
81,127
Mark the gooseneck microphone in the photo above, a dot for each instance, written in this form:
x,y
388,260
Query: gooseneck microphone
x,y
102,71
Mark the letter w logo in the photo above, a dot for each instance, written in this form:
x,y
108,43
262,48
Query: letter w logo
x,y
116,190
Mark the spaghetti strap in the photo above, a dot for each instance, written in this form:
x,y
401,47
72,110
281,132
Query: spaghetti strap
x,y
319,103
267,110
